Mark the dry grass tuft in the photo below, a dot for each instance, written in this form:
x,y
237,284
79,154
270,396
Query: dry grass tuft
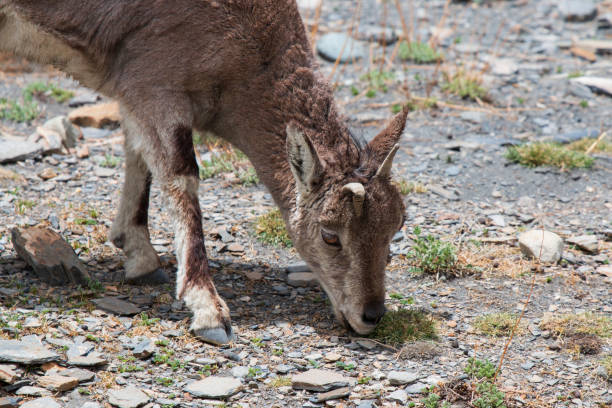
x,y
501,260
496,324
582,145
567,325
548,154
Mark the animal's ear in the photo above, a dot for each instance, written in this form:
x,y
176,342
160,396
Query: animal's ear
x,y
385,144
303,159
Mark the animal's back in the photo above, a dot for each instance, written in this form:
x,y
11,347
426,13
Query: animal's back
x,y
112,44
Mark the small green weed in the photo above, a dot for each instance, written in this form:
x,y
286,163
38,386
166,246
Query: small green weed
x,y
432,256
400,326
40,89
548,154
480,369
129,368
364,380
146,321
85,221
165,381
464,85
575,74
15,111
270,229
489,396
109,161
254,372
377,81
432,400
344,366
22,205
418,52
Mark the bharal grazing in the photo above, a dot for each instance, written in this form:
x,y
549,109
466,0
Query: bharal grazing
x,y
243,70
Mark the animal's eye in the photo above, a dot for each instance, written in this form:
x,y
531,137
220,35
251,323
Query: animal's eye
x,y
330,238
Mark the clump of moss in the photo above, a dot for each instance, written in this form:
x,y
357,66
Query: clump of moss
x,y
401,326
464,85
419,52
495,324
270,229
548,154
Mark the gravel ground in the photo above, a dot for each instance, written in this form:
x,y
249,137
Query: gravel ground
x,y
475,199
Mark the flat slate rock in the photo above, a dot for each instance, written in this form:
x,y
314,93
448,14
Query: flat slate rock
x,y
50,256
215,387
332,395
79,373
402,377
46,402
116,306
333,45
578,10
129,397
302,279
319,380
25,351
9,402
58,383
12,150
91,360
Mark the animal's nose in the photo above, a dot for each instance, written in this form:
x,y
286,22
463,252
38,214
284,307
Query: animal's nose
x,y
373,312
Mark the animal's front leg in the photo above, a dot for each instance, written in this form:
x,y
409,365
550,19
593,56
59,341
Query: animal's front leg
x,y
211,320
167,147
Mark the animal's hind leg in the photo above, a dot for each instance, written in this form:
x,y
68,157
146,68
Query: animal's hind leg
x,y
130,228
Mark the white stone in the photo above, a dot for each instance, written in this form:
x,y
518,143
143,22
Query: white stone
x,y
46,402
541,244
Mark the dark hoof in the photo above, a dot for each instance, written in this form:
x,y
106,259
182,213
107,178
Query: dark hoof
x,y
157,277
217,336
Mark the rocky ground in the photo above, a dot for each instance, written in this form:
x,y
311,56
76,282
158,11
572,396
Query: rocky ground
x,y
112,344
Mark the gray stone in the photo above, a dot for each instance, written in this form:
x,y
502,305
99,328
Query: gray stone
x,y
215,387
284,368
240,371
452,171
596,84
144,348
95,133
442,192
578,10
298,267
52,259
46,402
55,134
12,150
400,396
402,377
28,350
58,383
540,244
319,380
416,388
129,397
90,360
473,117
503,66
497,220
80,374
30,391
302,279
9,402
574,135
332,395
85,98
588,243
116,306
333,45
382,35
104,172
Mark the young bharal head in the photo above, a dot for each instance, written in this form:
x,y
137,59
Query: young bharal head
x,y
347,212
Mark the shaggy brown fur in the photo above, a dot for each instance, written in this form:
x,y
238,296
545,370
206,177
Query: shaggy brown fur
x,y
243,70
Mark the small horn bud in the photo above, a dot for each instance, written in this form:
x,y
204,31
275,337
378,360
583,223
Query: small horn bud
x,y
384,170
358,192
